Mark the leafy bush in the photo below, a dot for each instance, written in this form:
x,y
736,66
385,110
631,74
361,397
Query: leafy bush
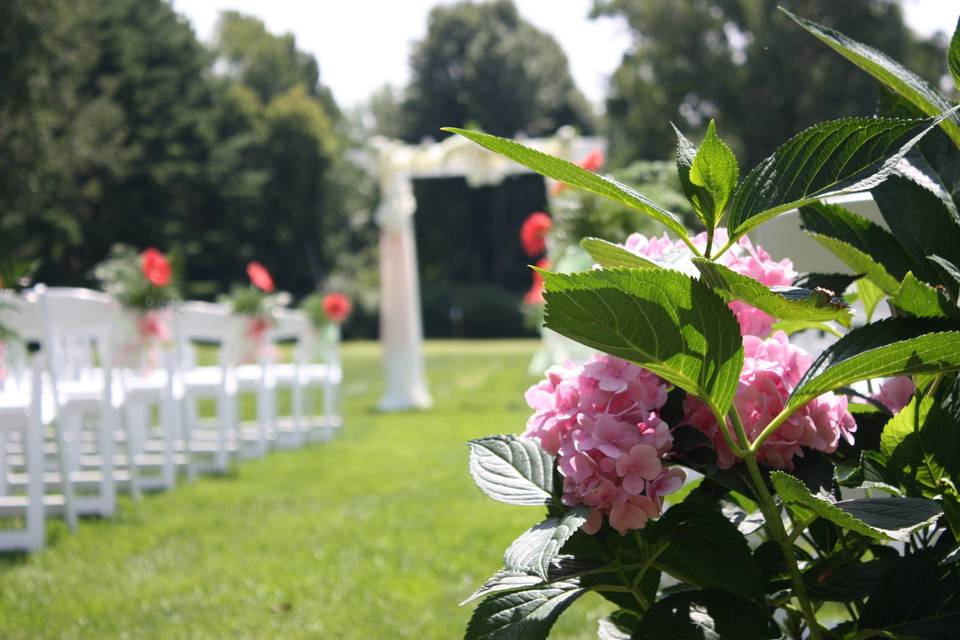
x,y
781,537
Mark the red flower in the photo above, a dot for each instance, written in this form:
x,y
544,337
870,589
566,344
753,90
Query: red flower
x,y
260,277
156,267
533,233
592,162
535,294
337,307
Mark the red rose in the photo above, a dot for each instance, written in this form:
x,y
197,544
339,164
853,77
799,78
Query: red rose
x,y
260,277
535,294
156,267
337,307
533,233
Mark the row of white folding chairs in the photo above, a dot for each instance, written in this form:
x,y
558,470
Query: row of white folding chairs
x,y
69,409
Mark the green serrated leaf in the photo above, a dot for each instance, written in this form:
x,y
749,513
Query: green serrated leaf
x,y
566,568
920,300
950,269
896,346
920,221
877,518
853,581
707,548
874,245
715,170
953,56
785,303
698,196
533,551
662,320
526,614
871,295
916,598
573,175
609,255
512,469
829,159
707,613
921,442
888,71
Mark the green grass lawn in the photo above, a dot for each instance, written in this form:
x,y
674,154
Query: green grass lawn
x,y
375,535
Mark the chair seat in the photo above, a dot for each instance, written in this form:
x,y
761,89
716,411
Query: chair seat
x,y
149,385
202,378
289,373
16,506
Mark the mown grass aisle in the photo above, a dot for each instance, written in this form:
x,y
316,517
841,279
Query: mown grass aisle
x,y
378,534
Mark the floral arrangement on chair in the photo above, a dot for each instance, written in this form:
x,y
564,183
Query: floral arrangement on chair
x,y
254,304
326,314
705,474
143,284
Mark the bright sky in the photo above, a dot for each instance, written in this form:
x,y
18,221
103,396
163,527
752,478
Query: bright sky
x,y
363,44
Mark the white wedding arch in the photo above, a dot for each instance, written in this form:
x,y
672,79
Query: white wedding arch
x,y
396,166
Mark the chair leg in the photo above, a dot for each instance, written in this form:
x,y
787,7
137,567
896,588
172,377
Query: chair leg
x,y
64,455
36,516
189,416
169,422
296,411
107,420
136,419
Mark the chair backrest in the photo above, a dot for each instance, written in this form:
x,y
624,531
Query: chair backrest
x,y
291,326
19,313
198,323
77,329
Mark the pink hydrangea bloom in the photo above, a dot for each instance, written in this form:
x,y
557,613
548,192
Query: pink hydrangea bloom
x,y
771,370
601,421
895,393
743,258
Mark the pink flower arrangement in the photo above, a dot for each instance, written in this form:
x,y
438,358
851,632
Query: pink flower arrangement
x,y
337,307
743,258
601,421
771,370
533,233
156,268
260,277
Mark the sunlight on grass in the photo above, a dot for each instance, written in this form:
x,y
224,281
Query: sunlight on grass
x,y
378,534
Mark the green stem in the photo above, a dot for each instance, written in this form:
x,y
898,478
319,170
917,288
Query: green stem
x,y
689,243
706,254
726,247
774,524
769,430
800,527
735,447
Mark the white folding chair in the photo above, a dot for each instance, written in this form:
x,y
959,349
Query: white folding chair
x,y
212,440
147,384
77,325
23,469
316,366
289,328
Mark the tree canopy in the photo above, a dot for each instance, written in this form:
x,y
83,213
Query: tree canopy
x,y
483,65
746,64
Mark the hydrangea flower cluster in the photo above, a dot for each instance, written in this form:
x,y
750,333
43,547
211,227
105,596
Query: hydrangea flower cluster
x,y
601,421
895,393
772,368
743,258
